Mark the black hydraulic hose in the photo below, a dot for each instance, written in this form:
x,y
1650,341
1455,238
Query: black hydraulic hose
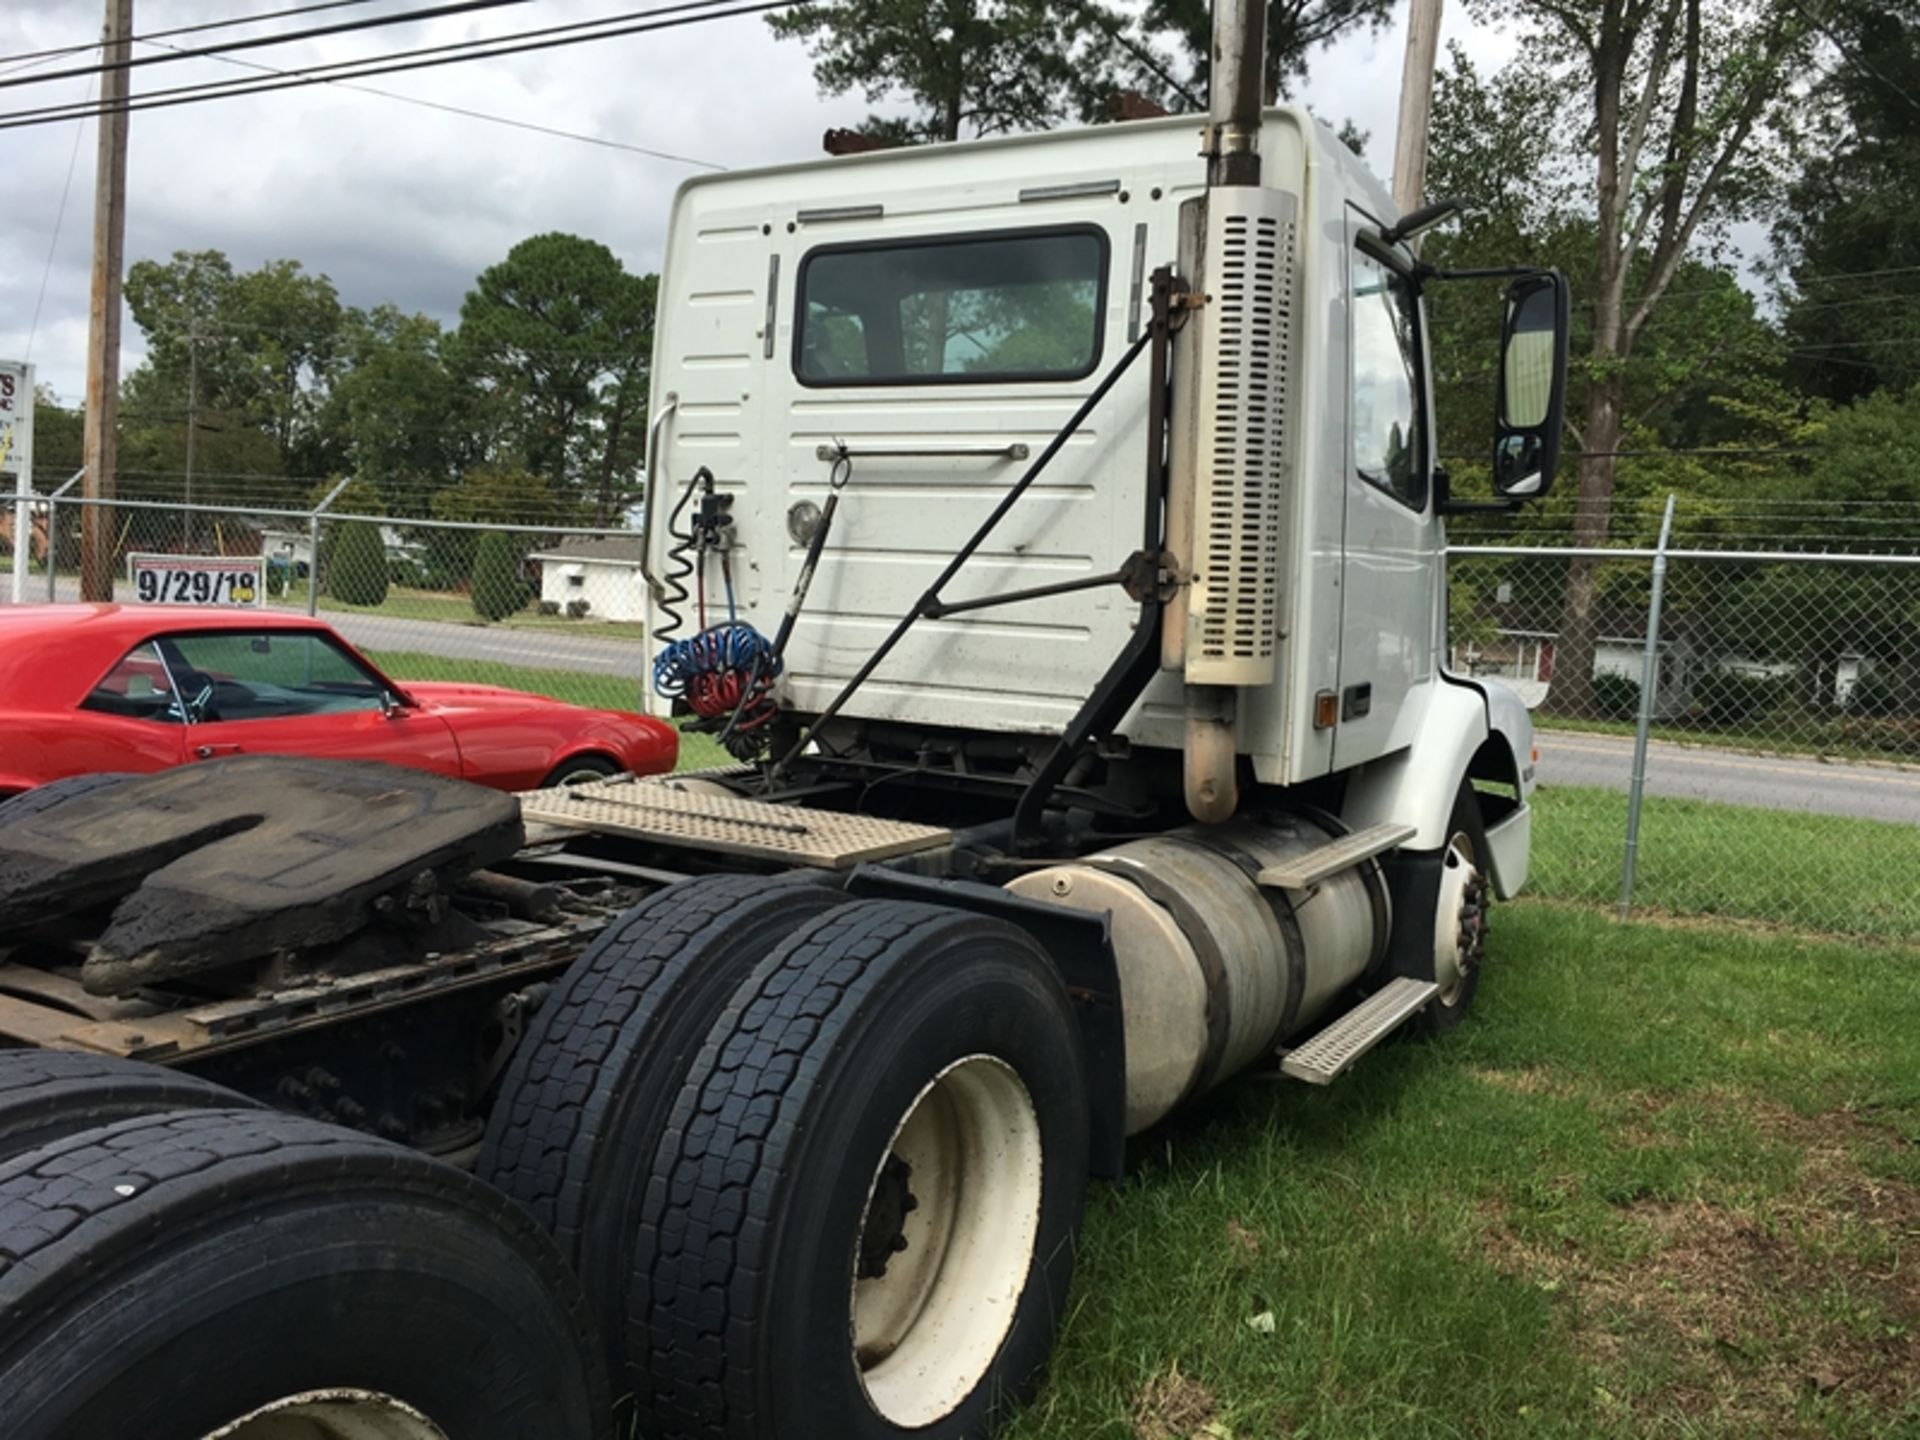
x,y
674,582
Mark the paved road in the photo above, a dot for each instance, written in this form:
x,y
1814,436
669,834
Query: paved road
x,y
537,649
1735,777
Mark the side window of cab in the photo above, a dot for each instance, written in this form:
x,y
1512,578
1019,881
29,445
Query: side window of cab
x,y
1388,419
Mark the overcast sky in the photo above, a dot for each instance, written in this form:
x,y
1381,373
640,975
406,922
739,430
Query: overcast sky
x,y
396,202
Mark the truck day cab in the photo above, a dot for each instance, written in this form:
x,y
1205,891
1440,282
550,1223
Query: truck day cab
x,y
1051,527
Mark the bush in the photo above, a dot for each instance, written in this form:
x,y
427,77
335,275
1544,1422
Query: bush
x,y
549,607
498,590
359,565
1615,697
276,581
1728,698
405,571
1880,693
577,609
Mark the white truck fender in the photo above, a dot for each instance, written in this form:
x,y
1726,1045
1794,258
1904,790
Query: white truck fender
x,y
1480,728
1417,785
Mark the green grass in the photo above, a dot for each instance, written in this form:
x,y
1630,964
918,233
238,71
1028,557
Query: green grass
x,y
1663,1182
443,608
1823,873
1807,872
1660,1183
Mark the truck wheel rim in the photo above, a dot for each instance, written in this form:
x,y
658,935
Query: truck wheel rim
x,y
332,1414
946,1241
1460,920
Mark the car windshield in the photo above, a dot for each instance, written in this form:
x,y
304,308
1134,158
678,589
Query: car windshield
x,y
256,675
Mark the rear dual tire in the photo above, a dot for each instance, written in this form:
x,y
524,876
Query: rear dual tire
x,y
587,1097
48,1095
887,1052
238,1272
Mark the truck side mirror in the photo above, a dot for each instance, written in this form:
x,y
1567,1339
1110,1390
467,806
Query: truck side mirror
x,y
1533,386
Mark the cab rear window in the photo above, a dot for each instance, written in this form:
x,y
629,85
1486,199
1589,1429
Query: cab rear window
x,y
1010,305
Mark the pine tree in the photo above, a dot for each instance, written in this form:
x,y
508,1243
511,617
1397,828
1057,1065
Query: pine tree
x,y
498,590
357,573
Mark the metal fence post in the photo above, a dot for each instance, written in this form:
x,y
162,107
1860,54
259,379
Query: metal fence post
x,y
1649,688
313,546
53,533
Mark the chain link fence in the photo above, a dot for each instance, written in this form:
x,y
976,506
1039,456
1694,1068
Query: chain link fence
x,y
552,609
1780,698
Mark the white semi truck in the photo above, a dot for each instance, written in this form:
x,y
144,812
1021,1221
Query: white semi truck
x,y
1050,526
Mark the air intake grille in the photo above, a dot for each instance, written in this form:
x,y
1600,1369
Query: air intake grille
x,y
1242,497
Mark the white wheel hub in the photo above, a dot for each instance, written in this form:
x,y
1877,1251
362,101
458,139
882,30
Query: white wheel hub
x,y
1459,920
334,1414
947,1241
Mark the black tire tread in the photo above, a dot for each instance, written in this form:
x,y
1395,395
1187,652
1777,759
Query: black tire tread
x,y
752,1081
539,1147
74,1210
47,1095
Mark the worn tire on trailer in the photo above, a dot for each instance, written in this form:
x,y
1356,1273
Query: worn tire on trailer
x,y
47,1095
864,1219
587,1096
168,1276
1462,899
55,792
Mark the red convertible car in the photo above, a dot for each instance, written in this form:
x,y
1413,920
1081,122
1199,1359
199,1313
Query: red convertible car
x,y
86,688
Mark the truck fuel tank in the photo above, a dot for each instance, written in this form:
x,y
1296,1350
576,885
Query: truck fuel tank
x,y
1216,970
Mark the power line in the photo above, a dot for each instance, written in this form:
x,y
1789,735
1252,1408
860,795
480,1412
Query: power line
x,y
283,37
60,50
396,64
445,108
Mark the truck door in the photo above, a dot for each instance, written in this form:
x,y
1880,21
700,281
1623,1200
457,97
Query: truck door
x,y
1390,572
943,350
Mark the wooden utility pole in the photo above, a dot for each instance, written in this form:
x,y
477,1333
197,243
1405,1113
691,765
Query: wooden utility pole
x,y
103,319
193,424
1416,103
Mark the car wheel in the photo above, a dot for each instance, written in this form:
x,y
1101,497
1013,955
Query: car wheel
x,y
588,1094
47,1095
254,1275
581,770
865,1216
56,792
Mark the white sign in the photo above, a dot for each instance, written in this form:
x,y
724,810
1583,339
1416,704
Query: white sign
x,y
16,454
224,580
16,415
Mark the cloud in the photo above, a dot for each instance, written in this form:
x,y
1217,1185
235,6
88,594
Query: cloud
x,y
400,203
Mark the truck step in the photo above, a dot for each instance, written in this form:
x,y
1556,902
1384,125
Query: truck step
x,y
1344,1041
1310,867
